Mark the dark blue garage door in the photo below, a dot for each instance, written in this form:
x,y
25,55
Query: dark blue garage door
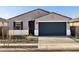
x,y
52,28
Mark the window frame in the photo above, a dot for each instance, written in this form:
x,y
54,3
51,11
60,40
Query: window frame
x,y
18,24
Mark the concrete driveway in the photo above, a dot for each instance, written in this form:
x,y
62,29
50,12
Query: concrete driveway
x,y
57,43
56,39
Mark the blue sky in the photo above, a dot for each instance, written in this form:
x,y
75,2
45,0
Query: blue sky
x,y
11,11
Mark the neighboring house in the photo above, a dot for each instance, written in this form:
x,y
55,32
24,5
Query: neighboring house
x,y
74,24
41,23
3,27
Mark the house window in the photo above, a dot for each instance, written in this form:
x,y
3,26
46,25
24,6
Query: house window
x,y
18,25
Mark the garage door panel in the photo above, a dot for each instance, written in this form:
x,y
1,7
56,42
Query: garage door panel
x,y
52,28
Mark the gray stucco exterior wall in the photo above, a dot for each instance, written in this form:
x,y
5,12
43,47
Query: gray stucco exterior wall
x,y
38,16
52,18
25,18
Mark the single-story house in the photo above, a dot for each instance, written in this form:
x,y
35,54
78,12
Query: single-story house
x,y
39,22
74,25
3,27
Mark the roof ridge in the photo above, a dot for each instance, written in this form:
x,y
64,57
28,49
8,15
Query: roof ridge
x,y
55,13
61,15
30,12
41,16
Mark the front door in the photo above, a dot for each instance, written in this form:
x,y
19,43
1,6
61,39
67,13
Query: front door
x,y
31,27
